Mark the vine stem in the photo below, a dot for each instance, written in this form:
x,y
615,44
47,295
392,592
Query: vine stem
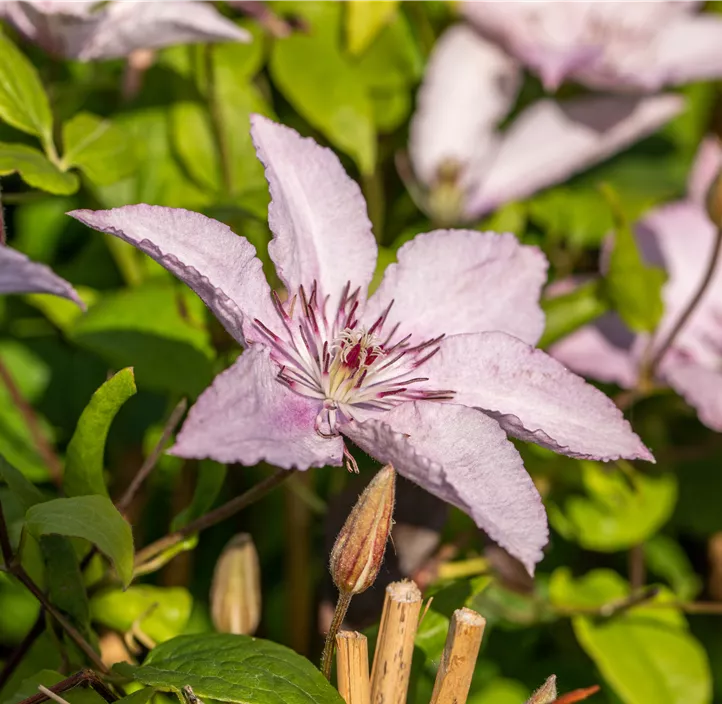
x,y
217,119
227,510
17,570
344,599
691,306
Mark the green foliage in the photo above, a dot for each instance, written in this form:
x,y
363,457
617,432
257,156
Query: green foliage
x,y
244,670
364,21
84,468
35,169
93,518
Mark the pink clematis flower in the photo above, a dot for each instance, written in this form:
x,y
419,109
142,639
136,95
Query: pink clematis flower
x,y
429,373
606,45
680,238
18,274
467,167
92,31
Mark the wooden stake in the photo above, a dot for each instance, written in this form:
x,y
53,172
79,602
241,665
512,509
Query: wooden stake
x,y
395,645
352,667
459,657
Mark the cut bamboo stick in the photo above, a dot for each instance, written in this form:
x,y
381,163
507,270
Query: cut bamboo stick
x,y
395,645
352,667
459,658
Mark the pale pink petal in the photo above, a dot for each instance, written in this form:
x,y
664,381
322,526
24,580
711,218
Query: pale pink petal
x,y
551,141
469,87
705,169
221,267
18,274
604,350
462,457
454,281
131,25
688,49
317,215
700,386
534,397
680,237
248,416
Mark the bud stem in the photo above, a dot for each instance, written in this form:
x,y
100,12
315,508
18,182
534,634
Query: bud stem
x,y
344,599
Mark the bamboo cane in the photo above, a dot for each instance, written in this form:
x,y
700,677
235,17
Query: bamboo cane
x,y
352,667
459,658
395,645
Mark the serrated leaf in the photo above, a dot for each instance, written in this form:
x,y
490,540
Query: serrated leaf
x,y
93,518
97,147
84,464
232,668
324,86
23,101
364,20
35,169
161,612
617,511
570,311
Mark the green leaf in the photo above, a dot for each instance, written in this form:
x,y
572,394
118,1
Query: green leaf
x,y
645,653
35,169
99,148
634,289
161,612
141,696
324,86
364,20
618,511
65,580
233,668
24,491
146,326
23,102
29,687
84,465
93,518
570,311
666,558
211,476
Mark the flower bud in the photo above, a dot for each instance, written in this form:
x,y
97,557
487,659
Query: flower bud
x,y
547,693
359,549
714,201
236,588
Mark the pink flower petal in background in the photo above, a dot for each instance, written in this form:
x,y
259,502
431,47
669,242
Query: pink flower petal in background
x,y
18,274
91,31
533,396
700,386
455,281
221,267
551,141
247,416
317,214
462,457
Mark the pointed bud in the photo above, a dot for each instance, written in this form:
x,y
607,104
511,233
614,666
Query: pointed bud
x,y
546,694
359,550
714,201
236,588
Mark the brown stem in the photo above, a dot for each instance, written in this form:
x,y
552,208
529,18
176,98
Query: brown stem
x,y
691,306
19,653
637,571
147,467
85,678
15,568
344,599
31,420
210,519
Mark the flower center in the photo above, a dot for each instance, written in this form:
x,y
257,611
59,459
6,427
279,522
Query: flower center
x,y
329,356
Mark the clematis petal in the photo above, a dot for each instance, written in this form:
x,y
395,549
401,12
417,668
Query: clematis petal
x,y
550,141
533,397
18,274
705,169
247,416
462,457
469,87
456,281
688,49
700,386
317,214
221,267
